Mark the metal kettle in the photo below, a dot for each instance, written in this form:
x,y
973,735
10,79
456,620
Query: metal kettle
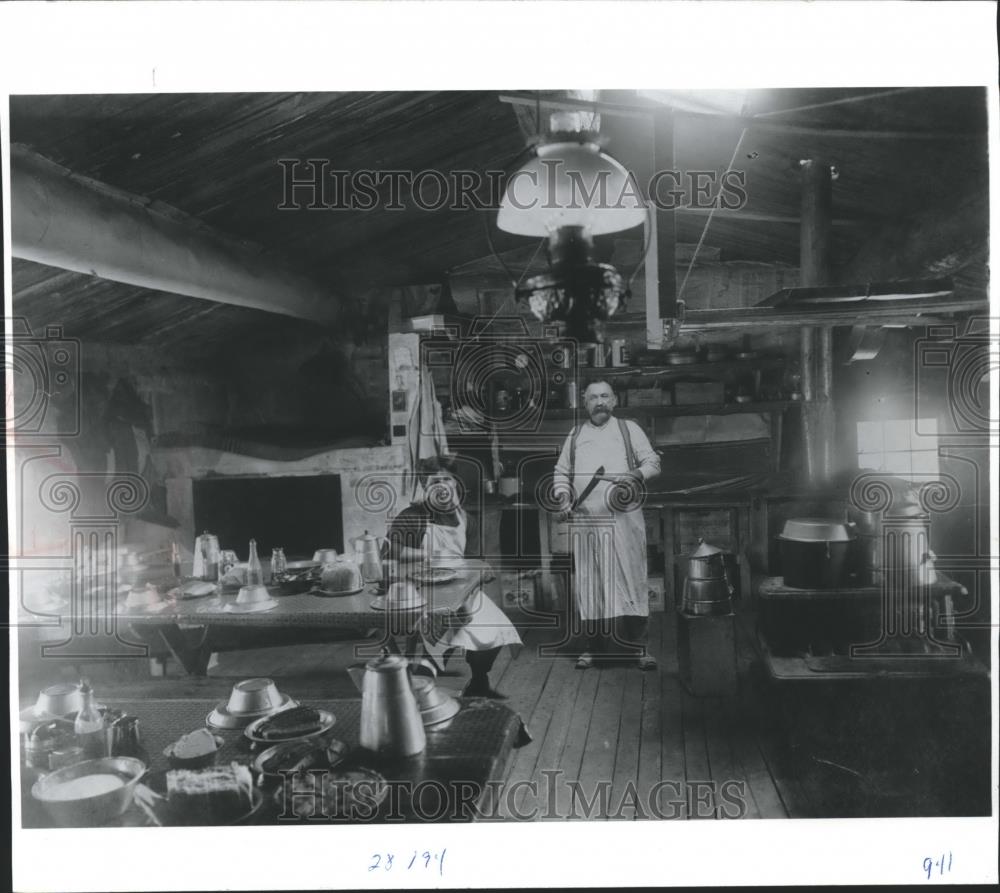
x,y
390,718
369,556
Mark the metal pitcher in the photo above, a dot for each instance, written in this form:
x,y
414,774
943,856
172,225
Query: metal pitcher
x,y
206,557
390,719
369,556
707,562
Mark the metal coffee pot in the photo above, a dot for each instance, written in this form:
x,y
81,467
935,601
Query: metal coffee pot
x,y
707,562
206,557
368,551
708,588
390,719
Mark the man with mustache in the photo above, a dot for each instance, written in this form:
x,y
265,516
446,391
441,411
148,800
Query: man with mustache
x,y
608,532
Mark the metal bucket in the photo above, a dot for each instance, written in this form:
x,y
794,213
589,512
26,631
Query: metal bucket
x,y
703,597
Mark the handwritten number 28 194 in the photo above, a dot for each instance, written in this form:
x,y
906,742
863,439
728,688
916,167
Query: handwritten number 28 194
x,y
419,860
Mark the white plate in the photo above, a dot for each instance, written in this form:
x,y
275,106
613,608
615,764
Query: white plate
x,y
326,722
435,575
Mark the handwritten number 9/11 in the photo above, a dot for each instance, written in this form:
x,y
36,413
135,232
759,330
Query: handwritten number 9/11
x,y
937,866
424,860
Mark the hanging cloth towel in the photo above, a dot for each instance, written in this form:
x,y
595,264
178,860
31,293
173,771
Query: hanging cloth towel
x,y
426,437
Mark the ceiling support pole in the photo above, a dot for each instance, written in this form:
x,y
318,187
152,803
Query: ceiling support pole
x,y
817,344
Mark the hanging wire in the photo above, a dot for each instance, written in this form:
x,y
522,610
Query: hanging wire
x,y
647,240
708,222
493,250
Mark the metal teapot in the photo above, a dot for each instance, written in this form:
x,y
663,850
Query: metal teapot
x,y
390,718
368,551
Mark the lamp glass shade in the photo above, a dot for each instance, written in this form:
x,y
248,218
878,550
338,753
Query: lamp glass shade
x,y
570,184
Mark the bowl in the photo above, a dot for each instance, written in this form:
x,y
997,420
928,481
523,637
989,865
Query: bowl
x,y
403,595
73,803
59,700
256,695
325,556
252,595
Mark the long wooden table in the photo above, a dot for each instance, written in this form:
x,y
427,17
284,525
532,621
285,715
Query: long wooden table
x,y
450,781
192,628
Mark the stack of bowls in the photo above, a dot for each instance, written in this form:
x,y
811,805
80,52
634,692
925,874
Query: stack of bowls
x,y
250,699
402,596
252,599
143,598
54,702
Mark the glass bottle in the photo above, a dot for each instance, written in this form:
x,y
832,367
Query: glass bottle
x,y
255,573
278,563
89,725
175,560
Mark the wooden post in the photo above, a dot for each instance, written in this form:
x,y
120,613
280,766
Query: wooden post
x,y
666,224
816,348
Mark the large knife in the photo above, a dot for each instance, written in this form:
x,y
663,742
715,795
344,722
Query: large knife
x,y
588,489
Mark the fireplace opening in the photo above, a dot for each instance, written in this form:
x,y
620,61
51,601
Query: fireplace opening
x,y
301,513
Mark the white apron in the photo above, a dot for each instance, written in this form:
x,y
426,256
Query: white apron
x,y
488,627
609,547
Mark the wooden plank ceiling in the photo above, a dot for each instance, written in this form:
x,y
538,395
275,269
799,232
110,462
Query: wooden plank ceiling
x,y
215,156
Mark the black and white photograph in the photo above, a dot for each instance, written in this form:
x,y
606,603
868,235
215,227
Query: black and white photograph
x,y
415,473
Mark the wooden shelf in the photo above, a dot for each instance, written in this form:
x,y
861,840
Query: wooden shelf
x,y
700,368
634,412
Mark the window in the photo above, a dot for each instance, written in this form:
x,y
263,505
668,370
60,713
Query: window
x,y
895,447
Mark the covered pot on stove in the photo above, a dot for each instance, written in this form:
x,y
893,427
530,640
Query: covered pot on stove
x,y
817,553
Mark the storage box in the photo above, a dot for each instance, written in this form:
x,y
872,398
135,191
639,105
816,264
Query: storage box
x,y
689,393
517,590
645,397
655,589
706,654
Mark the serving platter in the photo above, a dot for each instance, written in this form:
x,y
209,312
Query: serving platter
x,y
435,575
253,731
317,753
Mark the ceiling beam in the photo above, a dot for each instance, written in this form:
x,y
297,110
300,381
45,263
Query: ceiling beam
x,y
64,220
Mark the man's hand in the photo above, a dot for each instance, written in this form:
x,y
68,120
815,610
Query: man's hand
x,y
564,504
629,478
